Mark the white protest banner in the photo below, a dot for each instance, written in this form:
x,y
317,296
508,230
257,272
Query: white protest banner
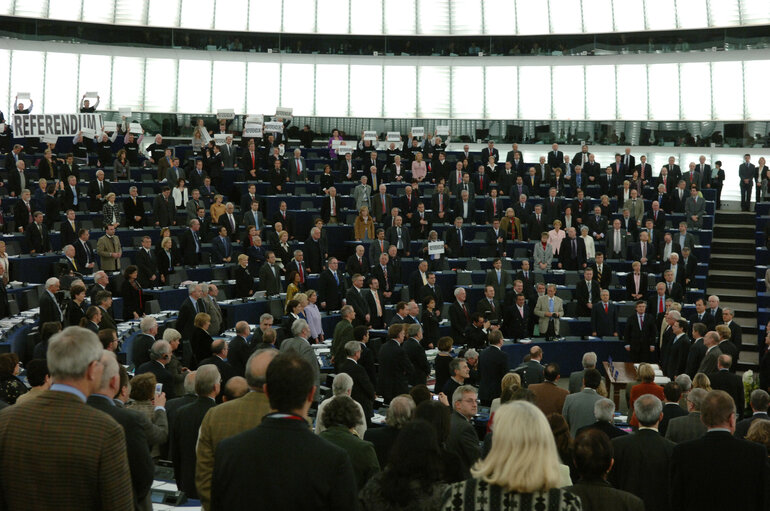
x,y
418,131
2,127
124,112
336,143
393,136
91,94
88,133
274,127
225,113
370,135
283,112
255,119
205,135
62,125
49,139
252,130
22,95
135,127
345,149
435,247
110,126
220,138
442,131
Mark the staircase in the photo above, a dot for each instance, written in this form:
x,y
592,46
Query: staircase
x,y
732,277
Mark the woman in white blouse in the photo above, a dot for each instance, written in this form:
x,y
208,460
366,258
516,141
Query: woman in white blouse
x,y
589,241
313,316
180,194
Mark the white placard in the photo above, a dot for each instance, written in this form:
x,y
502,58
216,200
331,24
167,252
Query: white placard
x,y
393,136
88,133
124,112
435,247
110,126
36,125
370,135
22,95
252,130
135,127
92,94
283,112
220,138
274,127
49,138
255,119
204,134
336,143
418,131
442,131
344,149
226,113
2,127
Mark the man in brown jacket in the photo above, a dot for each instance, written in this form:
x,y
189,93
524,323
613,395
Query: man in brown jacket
x,y
231,418
55,451
549,397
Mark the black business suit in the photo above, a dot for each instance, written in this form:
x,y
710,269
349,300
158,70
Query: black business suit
x,y
331,291
640,340
140,461
148,267
416,354
395,370
363,389
356,299
459,319
183,438
732,384
642,462
162,375
493,365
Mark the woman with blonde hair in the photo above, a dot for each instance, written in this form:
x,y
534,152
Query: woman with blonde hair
x,y
646,375
701,381
520,472
510,382
363,227
200,340
555,237
110,211
217,208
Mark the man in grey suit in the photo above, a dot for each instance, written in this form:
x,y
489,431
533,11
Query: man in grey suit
x,y
576,378
694,209
269,276
362,194
296,167
174,173
579,408
299,343
193,204
746,174
549,308
227,150
689,427
498,278
463,440
617,241
709,363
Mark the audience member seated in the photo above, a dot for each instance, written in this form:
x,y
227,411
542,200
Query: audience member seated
x,y
11,387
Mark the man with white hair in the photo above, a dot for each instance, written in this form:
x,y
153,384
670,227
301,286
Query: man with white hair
x,y
88,446
142,343
297,169
643,459
462,439
342,385
604,411
50,309
459,316
209,293
160,356
189,309
576,377
363,388
69,260
101,283
238,349
690,426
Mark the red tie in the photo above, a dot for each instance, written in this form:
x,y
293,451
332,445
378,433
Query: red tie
x,y
481,182
253,163
660,304
299,168
605,308
301,273
465,311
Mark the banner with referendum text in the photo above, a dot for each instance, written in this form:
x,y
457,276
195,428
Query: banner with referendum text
x,y
63,125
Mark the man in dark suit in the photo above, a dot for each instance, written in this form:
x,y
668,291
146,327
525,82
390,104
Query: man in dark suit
x,y
183,434
395,366
399,412
440,204
137,447
357,263
421,223
191,244
269,275
49,305
416,354
572,253
493,365
142,345
433,290
374,296
746,173
399,236
363,389
488,151
188,310
36,234
604,317
283,449
537,224
490,307
587,293
356,299
731,383
456,237
87,444
331,287
147,264
671,409
759,401
640,334
642,459
160,356
218,358
703,468
463,440
604,411
555,156
674,355
518,322
494,239
459,316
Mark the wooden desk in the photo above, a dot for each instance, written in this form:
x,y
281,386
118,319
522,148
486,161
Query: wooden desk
x,y
626,374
